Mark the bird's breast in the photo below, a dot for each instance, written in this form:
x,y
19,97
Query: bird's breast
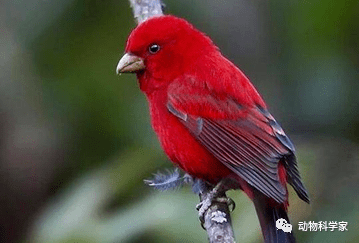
x,y
180,146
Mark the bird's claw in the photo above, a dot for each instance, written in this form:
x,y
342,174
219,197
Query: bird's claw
x,y
203,206
229,201
217,194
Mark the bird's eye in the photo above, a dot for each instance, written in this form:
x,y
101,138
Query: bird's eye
x,y
154,48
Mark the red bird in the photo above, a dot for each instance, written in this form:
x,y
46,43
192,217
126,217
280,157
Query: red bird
x,y
209,118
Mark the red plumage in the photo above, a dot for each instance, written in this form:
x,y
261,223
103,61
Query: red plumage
x,y
210,119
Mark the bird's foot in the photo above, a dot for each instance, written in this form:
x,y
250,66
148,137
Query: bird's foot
x,y
203,206
216,195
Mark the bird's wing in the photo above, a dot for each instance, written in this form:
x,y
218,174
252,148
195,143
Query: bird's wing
x,y
248,140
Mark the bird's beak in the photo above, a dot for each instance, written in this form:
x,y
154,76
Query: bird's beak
x,y
129,64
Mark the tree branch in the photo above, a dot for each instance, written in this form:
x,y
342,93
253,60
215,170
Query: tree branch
x,y
217,218
144,9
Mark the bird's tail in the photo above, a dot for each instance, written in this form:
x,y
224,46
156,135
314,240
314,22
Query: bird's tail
x,y
269,215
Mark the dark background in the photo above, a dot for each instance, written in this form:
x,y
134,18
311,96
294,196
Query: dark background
x,y
75,139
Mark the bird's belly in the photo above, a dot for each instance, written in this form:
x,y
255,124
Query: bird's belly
x,y
184,150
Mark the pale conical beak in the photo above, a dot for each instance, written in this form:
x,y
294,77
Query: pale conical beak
x,y
130,64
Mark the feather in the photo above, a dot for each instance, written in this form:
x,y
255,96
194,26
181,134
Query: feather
x,y
167,181
252,148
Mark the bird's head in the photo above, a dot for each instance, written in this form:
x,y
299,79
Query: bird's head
x,y
161,49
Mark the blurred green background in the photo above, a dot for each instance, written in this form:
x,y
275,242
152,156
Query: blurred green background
x,y
76,141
